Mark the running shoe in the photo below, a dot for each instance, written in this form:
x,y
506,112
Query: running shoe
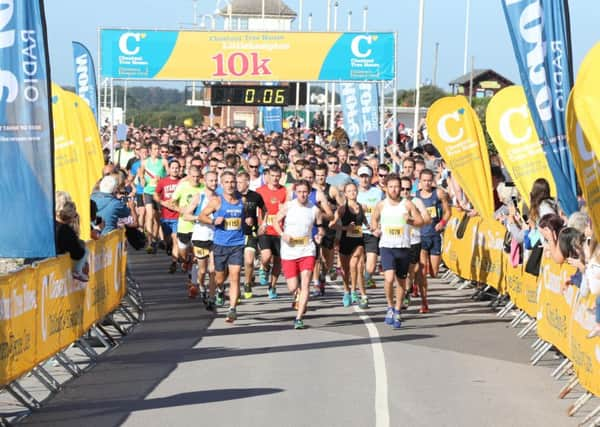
x,y
247,291
354,296
397,321
262,277
204,294
298,324
389,316
154,247
210,305
231,315
364,302
371,284
173,268
406,301
347,299
192,291
149,249
220,299
273,293
424,309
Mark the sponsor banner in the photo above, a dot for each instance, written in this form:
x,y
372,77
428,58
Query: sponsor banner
x,y
488,254
457,134
26,142
586,162
43,310
509,123
539,33
360,107
555,306
585,352
85,77
77,151
272,119
564,319
246,56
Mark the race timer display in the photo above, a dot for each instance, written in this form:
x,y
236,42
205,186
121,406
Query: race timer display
x,y
250,95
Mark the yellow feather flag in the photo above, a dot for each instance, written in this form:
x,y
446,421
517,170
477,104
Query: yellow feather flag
x,y
587,166
586,99
76,167
455,130
511,127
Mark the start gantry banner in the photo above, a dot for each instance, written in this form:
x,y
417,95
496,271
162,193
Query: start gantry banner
x,y
246,56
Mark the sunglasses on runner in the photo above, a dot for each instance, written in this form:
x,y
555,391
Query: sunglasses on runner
x,y
405,188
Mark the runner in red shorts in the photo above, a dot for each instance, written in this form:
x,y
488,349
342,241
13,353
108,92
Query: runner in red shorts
x,y
298,249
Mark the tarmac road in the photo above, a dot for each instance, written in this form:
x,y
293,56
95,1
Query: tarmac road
x,y
457,366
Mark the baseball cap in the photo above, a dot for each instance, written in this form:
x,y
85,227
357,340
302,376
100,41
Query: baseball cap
x,y
363,170
108,184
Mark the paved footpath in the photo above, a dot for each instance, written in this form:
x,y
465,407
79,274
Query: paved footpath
x,y
458,366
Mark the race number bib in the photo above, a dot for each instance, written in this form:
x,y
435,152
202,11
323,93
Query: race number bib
x,y
270,220
368,210
356,232
432,210
232,224
395,231
299,241
200,252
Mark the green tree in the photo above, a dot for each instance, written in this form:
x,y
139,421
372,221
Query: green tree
x,y
428,95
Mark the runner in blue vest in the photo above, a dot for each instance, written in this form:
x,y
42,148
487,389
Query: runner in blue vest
x,y
227,212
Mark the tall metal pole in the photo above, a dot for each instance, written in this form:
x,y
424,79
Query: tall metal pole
x,y
381,122
125,103
298,83
365,13
327,84
418,79
262,14
112,119
467,19
349,22
435,63
307,107
195,12
332,115
395,95
471,81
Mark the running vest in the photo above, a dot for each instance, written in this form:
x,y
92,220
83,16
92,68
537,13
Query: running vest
x,y
203,232
153,171
299,222
395,232
369,199
312,197
357,218
434,208
230,232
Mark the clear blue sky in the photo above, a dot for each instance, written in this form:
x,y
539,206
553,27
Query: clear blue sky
x,y
78,20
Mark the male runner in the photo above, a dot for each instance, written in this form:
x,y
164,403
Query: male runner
x,y
297,247
368,196
391,220
252,201
168,217
182,197
226,213
202,241
274,195
151,170
438,207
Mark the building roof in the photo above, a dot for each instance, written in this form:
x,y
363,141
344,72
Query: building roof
x,y
477,73
254,8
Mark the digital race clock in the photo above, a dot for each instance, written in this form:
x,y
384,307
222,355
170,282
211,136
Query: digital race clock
x,y
250,95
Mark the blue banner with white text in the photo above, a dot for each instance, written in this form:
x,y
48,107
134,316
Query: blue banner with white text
x,y
360,107
26,140
540,37
85,76
272,119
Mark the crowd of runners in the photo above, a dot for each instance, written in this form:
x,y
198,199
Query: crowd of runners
x,y
236,208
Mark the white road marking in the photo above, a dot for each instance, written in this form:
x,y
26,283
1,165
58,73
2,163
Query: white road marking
x,y
382,409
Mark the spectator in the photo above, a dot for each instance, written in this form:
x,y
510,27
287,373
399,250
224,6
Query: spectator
x,y
111,209
66,227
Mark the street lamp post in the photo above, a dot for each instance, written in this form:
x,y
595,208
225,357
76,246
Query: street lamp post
x,y
418,85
